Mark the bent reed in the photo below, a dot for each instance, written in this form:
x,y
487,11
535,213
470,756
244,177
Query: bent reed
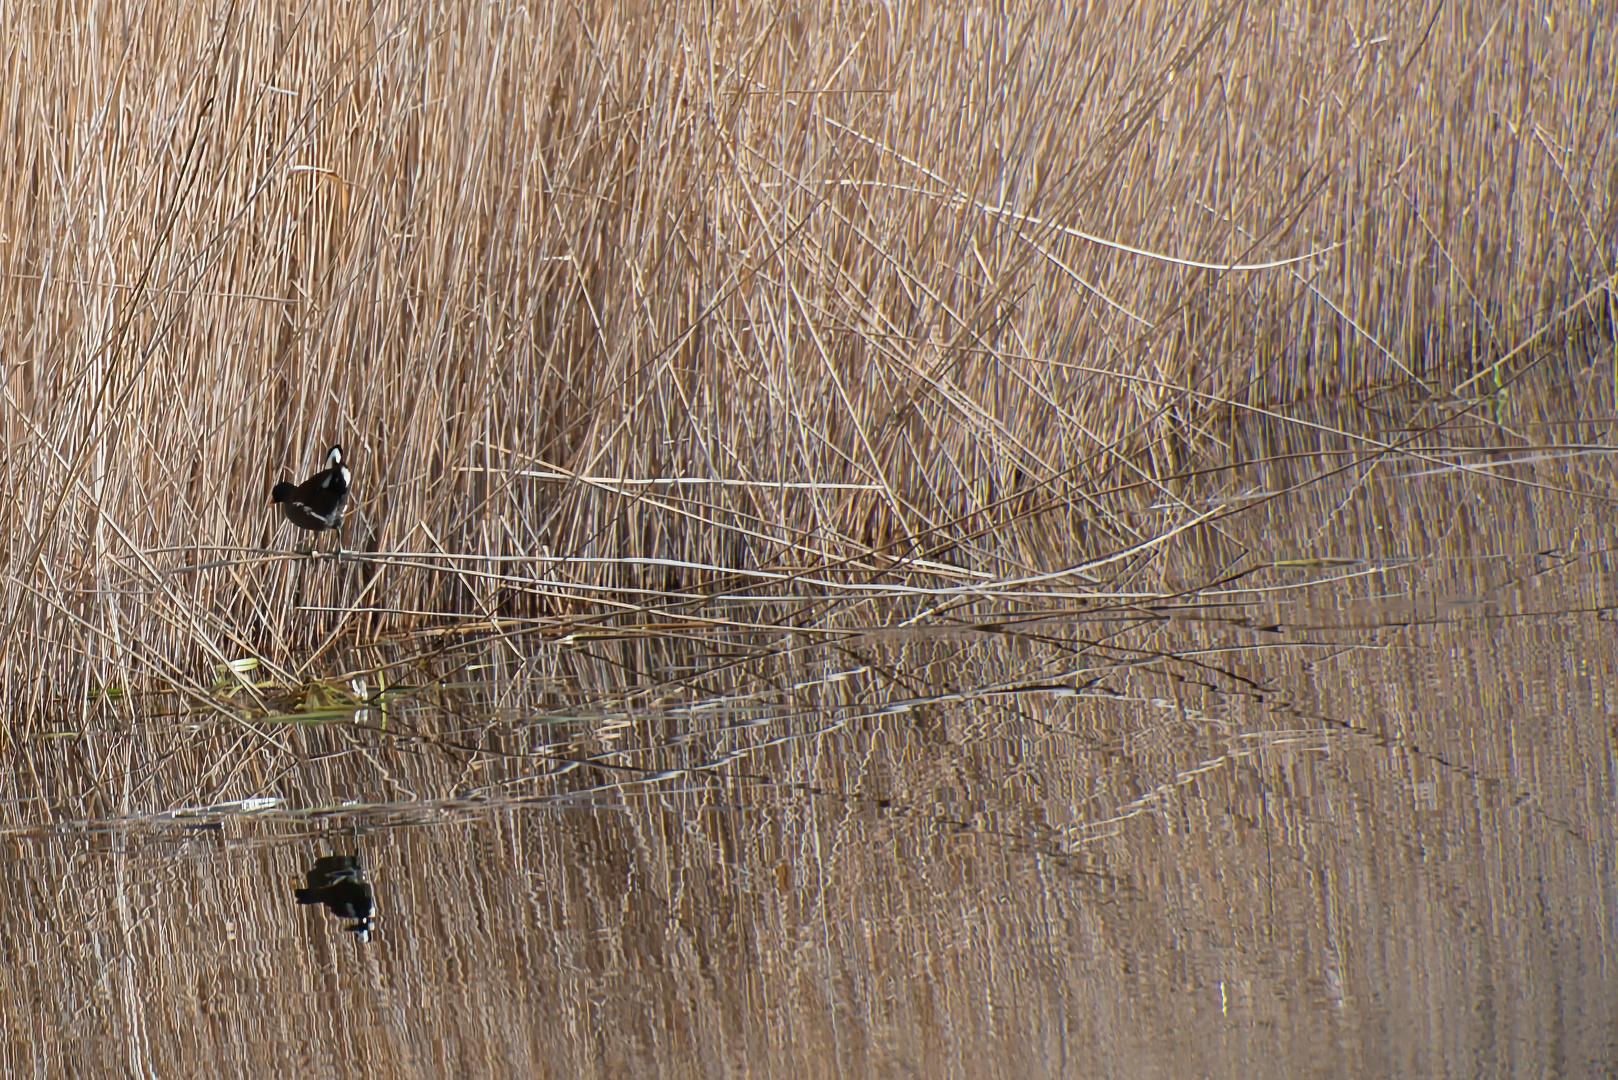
x,y
610,305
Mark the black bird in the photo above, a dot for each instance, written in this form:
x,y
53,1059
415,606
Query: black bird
x,y
317,503
338,882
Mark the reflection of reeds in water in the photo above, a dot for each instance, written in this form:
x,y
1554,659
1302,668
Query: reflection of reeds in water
x,y
923,842
865,267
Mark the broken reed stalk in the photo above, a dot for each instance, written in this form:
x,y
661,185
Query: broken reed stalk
x,y
911,280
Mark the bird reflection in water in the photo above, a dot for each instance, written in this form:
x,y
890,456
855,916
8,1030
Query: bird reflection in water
x,y
338,882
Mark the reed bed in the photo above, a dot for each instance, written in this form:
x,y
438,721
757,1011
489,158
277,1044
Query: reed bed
x,y
618,306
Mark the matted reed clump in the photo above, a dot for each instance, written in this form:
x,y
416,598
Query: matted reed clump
x,y
689,297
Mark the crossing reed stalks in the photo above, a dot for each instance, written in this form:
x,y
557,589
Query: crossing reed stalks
x,y
698,298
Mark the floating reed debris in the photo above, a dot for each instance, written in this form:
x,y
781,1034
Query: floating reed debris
x,y
900,285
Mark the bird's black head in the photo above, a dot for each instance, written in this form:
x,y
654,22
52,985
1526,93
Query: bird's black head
x,y
282,492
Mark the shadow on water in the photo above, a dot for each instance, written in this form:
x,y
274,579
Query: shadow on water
x,y
1333,796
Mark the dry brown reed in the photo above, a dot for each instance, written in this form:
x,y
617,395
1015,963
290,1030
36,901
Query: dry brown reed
x,y
887,288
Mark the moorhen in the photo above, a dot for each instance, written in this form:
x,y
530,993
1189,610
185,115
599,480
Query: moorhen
x,y
317,503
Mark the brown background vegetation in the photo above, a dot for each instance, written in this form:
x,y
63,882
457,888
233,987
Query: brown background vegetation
x,y
892,247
